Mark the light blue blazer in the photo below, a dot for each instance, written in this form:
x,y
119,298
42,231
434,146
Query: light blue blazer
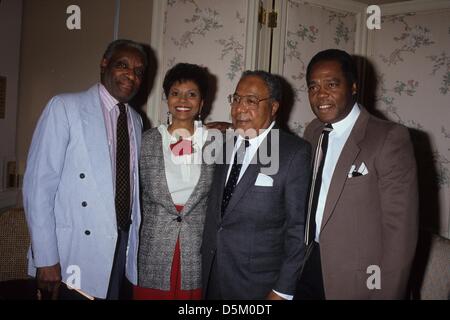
x,y
69,194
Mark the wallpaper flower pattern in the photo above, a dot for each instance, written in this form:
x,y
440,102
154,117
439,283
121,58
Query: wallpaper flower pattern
x,y
311,28
209,33
412,57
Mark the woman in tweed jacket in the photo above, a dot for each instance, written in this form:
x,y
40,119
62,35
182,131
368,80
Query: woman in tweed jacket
x,y
174,192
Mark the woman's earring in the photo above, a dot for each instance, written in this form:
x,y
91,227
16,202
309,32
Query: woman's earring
x,y
168,118
198,123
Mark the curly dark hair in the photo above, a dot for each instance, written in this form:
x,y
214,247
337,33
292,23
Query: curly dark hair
x,y
183,72
346,61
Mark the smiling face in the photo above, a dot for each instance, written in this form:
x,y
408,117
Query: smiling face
x,y
330,94
245,118
184,101
122,74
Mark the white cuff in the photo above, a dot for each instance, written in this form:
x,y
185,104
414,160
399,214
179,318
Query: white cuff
x,y
284,296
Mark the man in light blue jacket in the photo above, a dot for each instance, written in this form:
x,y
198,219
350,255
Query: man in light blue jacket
x,y
83,222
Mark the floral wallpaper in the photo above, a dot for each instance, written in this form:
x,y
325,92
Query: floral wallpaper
x,y
311,28
411,56
209,33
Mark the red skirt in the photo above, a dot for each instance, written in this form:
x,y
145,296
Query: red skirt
x,y
175,292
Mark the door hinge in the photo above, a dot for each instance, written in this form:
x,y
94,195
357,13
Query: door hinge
x,y
262,15
272,20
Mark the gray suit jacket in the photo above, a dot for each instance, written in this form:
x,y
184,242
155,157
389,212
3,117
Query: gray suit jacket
x,y
369,220
160,228
69,194
258,245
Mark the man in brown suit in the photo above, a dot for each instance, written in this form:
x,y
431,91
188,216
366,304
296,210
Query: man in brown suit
x,y
363,207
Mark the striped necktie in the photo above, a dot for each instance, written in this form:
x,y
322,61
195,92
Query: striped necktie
x,y
319,161
234,174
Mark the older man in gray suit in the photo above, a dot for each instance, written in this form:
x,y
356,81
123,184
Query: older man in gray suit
x,y
253,238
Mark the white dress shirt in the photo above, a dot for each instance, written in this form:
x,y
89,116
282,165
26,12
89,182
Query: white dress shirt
x,y
336,141
111,113
182,172
249,153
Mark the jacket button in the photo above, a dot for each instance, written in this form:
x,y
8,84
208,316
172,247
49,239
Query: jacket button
x,y
84,204
179,219
87,232
82,176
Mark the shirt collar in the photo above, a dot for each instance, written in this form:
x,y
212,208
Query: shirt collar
x,y
348,122
256,141
109,102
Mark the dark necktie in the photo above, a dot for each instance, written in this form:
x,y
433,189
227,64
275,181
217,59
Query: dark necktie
x,y
122,199
234,174
319,161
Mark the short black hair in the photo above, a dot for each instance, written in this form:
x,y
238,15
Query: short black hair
x,y
272,81
183,72
125,43
346,61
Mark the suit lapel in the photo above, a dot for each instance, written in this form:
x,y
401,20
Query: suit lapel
x,y
221,175
162,184
247,180
96,141
249,176
346,159
137,130
200,189
221,172
315,140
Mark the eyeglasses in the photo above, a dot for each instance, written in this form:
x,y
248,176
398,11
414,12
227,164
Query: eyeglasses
x,y
251,102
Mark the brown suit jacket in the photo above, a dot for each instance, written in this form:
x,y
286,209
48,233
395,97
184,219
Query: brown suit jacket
x,y
370,219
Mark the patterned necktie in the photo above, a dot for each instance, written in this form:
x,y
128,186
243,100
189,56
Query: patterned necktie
x,y
122,199
234,174
319,161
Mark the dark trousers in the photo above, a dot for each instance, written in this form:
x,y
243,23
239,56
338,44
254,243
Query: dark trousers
x,y
310,283
119,286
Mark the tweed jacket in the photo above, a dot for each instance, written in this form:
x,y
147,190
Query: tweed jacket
x,y
162,225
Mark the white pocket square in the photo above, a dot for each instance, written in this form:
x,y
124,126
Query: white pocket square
x,y
362,171
264,180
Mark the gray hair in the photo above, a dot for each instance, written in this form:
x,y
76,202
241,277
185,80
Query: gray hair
x,y
271,81
124,43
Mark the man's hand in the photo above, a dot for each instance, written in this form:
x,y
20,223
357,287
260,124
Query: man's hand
x,y
48,282
273,296
222,126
